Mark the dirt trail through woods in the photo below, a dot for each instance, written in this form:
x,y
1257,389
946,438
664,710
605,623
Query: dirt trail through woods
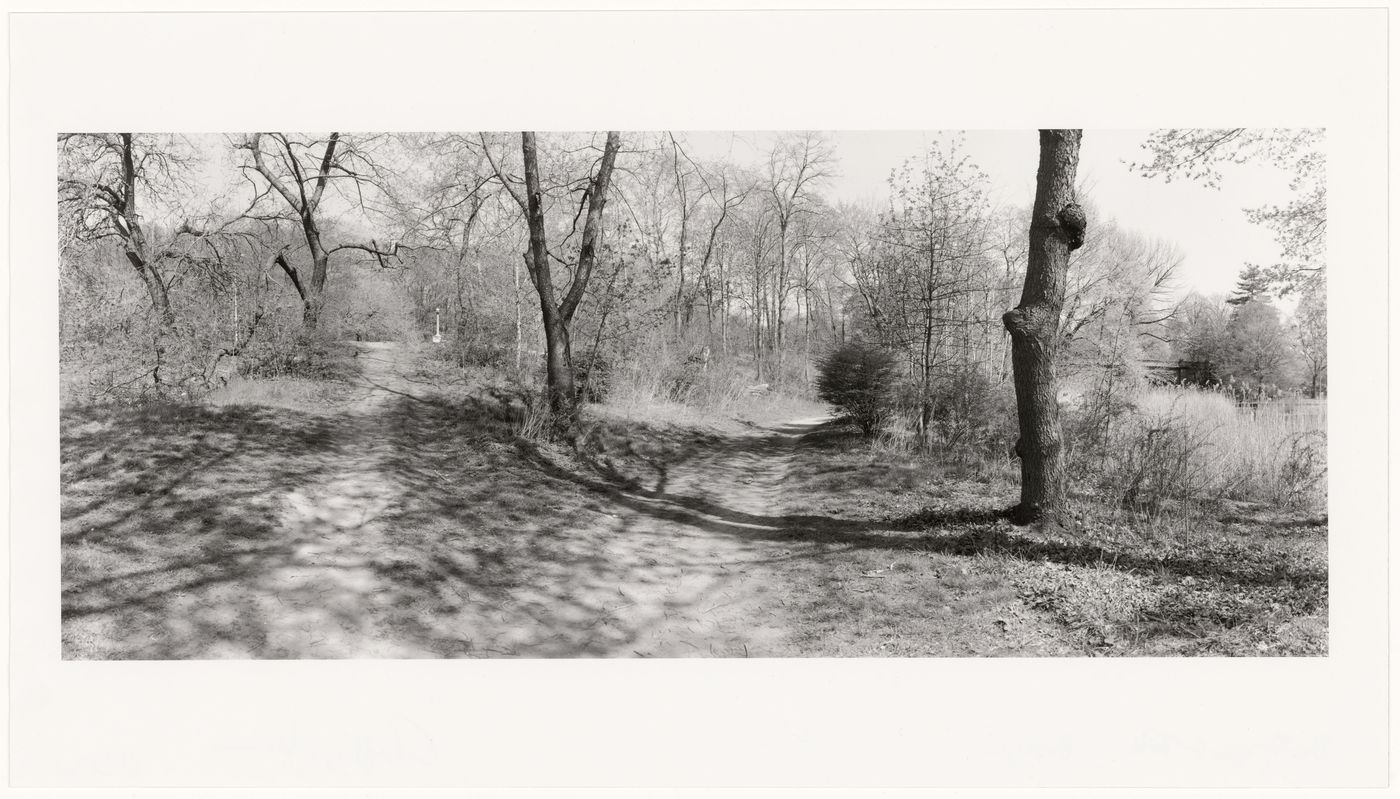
x,y
339,520
671,569
696,546
395,527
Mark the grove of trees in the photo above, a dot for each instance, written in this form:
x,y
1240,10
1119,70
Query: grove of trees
x,y
584,263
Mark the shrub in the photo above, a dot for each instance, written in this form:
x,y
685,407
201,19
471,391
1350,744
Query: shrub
x,y
310,357
858,379
971,411
682,379
486,355
1188,445
1162,458
593,377
1302,473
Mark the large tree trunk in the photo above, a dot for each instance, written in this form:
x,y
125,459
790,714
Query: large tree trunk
x,y
1057,228
559,370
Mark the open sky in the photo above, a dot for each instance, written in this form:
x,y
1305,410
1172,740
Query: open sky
x,y
1207,225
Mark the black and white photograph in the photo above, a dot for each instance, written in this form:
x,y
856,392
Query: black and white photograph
x,y
719,394
677,399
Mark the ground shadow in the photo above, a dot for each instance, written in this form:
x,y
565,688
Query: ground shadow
x,y
425,527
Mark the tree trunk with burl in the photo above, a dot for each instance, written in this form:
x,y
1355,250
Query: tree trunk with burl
x,y
1057,228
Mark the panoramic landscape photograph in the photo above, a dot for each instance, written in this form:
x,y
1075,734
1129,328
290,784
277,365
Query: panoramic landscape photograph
x,y
668,394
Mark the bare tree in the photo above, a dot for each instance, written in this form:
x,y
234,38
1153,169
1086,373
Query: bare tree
x,y
1057,228
796,166
559,313
299,171
460,205
725,195
101,182
135,189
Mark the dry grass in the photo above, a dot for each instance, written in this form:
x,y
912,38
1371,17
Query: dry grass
x,y
289,520
1275,453
717,393
1245,581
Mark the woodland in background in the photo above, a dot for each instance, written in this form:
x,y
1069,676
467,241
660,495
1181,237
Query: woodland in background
x,y
188,263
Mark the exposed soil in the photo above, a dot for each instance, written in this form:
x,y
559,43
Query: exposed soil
x,y
404,517
398,523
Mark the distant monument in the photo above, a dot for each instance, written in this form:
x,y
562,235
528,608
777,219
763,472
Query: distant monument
x,y
437,336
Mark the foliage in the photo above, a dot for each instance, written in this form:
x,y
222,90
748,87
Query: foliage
x,y
1257,347
1311,318
1253,283
1299,226
858,379
1248,346
1197,329
715,283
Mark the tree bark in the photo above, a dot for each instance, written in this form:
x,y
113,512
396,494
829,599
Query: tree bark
x,y
559,370
134,238
1057,228
559,373
312,291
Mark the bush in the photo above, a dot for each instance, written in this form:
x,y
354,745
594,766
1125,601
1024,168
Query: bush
x,y
1162,458
858,379
973,412
1197,446
484,355
593,377
683,379
302,356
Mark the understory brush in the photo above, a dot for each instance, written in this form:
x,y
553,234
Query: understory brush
x,y
966,418
1180,445
696,387
302,355
141,361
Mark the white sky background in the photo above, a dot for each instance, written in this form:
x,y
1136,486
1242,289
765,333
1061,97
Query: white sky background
x,y
1208,226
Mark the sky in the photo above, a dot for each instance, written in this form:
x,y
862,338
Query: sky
x,y
1208,226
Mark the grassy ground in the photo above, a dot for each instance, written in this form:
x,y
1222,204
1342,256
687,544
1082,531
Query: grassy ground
x,y
401,515
1233,579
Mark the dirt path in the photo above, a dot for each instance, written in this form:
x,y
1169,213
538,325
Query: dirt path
x,y
401,527
696,551
338,518
679,580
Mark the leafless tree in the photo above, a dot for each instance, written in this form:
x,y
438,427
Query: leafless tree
x,y
106,181
134,189
300,170
558,313
797,165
